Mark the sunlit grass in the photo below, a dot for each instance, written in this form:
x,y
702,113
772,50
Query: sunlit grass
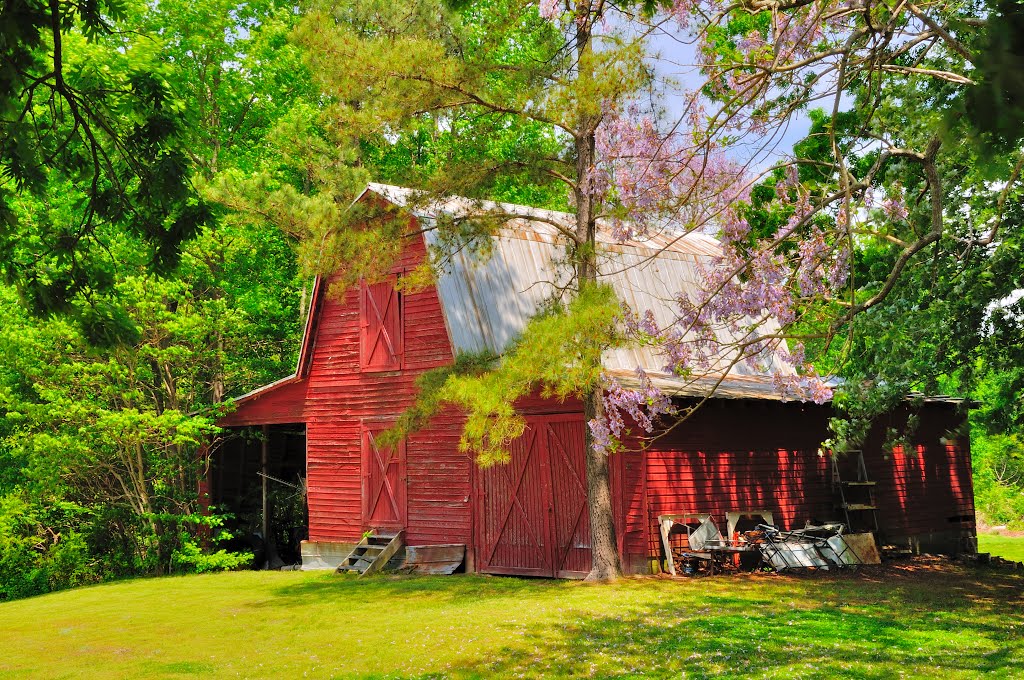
x,y
1007,547
949,623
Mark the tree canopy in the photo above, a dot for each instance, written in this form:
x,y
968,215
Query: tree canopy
x,y
172,174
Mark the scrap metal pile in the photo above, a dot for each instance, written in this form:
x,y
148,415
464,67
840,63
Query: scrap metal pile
x,y
820,547
813,547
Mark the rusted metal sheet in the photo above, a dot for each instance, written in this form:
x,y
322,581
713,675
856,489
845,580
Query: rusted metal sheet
x,y
488,301
864,546
434,559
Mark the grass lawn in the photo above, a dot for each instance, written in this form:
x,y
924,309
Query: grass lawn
x,y
939,622
1008,547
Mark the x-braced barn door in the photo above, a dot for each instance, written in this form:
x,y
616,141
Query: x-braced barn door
x,y
383,481
381,335
532,511
565,442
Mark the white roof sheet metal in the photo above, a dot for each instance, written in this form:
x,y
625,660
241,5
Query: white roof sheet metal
x,y
487,302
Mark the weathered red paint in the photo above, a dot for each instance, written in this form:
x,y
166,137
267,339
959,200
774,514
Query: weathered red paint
x,y
381,334
285,402
764,455
357,372
532,511
343,396
384,480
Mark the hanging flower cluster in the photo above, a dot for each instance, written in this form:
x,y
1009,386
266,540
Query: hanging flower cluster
x,y
642,405
649,176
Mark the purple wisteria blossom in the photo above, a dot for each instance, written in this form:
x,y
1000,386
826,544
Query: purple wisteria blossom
x,y
643,405
648,174
652,175
549,9
895,209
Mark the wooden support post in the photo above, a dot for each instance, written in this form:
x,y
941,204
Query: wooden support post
x,y
264,462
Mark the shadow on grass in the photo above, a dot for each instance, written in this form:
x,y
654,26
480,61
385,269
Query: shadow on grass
x,y
953,624
346,587
818,644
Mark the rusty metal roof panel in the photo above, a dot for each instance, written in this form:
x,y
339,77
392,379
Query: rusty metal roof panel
x,y
487,302
728,387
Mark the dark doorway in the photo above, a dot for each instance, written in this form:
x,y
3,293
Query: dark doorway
x,y
237,491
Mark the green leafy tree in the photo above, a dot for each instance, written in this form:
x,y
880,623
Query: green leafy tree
x,y
486,100
107,406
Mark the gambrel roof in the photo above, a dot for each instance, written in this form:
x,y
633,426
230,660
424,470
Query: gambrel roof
x,y
487,302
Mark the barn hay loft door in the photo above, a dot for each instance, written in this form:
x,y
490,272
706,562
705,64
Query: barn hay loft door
x,y
532,511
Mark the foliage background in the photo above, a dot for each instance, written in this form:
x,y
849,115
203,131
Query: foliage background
x,y
124,332
109,390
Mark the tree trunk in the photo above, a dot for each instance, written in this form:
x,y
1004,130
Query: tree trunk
x,y
606,565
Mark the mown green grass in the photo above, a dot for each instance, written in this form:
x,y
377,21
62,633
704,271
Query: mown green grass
x,y
1007,547
950,623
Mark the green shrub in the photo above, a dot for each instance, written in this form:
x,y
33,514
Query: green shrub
x,y
191,557
998,463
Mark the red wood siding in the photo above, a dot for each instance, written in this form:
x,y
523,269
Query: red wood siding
x,y
284,403
738,455
384,480
342,397
732,455
924,495
514,498
532,511
381,329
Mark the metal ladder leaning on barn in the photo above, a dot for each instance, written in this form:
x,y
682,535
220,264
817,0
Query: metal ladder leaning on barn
x,y
855,495
372,553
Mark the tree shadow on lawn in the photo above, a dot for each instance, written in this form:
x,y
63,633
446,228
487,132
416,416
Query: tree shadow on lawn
x,y
950,622
932,624
347,587
823,643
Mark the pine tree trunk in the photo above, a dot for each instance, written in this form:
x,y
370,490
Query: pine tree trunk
x,y
605,565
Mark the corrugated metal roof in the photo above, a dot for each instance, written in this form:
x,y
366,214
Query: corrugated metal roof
x,y
487,302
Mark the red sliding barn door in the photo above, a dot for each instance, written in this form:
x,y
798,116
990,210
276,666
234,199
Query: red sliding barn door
x,y
565,442
532,511
514,506
383,481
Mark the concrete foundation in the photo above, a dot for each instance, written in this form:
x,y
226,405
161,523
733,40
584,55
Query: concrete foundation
x,y
324,554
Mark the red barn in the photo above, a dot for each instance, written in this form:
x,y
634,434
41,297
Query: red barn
x,y
746,449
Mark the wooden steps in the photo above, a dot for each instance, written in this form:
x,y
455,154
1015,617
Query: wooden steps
x,y
372,553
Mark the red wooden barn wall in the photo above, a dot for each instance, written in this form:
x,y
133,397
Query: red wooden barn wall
x,y
532,516
737,455
341,396
731,455
284,403
924,494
